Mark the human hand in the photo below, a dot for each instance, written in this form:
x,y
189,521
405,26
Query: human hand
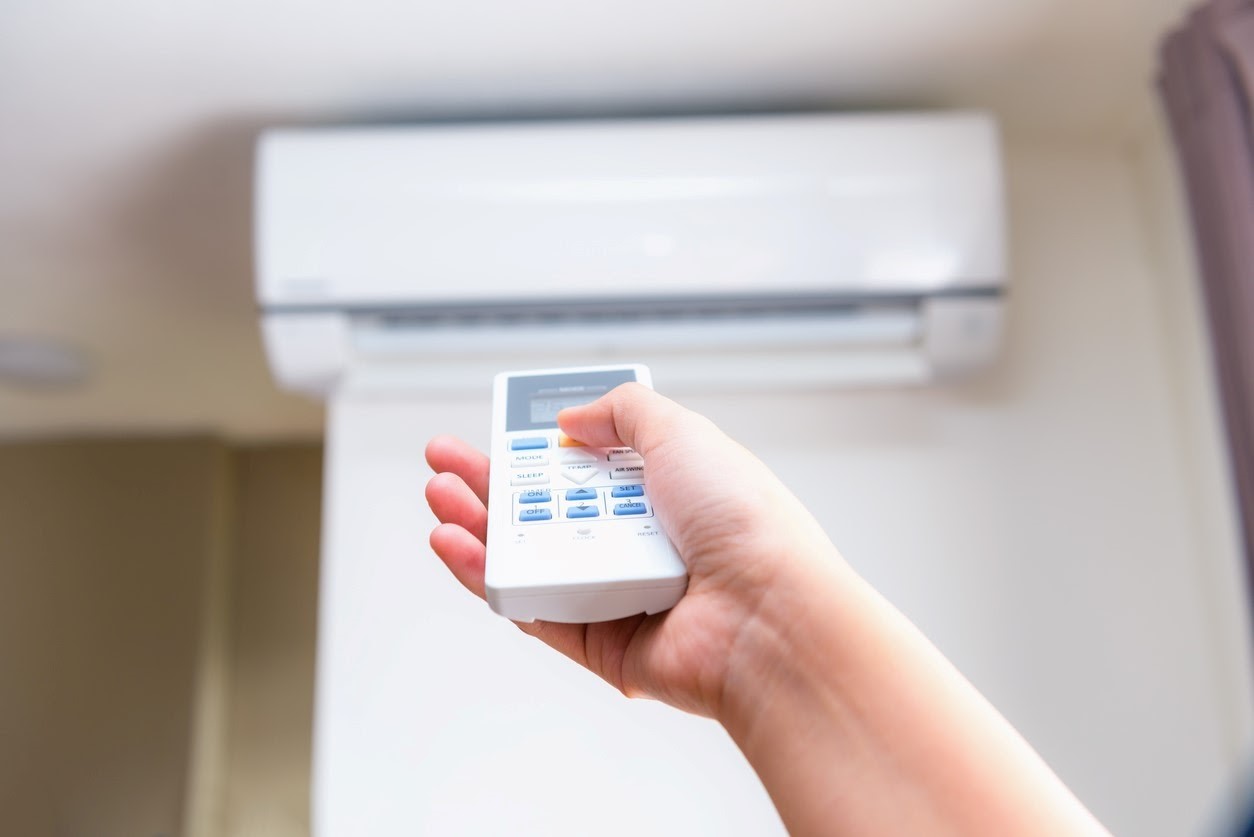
x,y
742,535
854,721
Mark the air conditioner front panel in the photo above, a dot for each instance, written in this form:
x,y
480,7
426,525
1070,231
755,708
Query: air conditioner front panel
x,y
611,209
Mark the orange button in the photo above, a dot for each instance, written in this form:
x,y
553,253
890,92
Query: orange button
x,y
565,441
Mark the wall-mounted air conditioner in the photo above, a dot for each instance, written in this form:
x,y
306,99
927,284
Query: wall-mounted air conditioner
x,y
783,250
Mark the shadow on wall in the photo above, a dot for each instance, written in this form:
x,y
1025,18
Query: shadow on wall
x,y
142,581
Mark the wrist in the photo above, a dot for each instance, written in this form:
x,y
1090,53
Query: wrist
x,y
783,655
784,702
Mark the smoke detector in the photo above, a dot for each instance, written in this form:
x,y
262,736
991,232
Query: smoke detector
x,y
41,363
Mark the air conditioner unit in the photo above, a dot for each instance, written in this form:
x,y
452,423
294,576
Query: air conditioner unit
x,y
723,252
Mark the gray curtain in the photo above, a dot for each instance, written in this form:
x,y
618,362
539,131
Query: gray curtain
x,y
1207,83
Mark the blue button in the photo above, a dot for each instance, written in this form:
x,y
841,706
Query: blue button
x,y
535,495
528,515
529,443
583,511
629,508
577,494
628,491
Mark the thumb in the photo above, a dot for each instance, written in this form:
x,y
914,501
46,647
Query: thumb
x,y
630,414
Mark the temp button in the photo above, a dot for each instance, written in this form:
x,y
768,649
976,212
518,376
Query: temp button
x,y
579,474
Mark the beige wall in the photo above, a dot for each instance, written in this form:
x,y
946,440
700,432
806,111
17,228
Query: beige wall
x,y
103,551
109,551
273,628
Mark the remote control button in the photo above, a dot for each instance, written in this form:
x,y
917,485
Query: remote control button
x,y
579,474
566,442
529,443
616,454
582,511
579,494
529,460
577,455
535,495
529,478
627,491
530,515
630,508
627,472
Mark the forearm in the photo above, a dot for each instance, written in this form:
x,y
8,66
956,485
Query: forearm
x,y
857,724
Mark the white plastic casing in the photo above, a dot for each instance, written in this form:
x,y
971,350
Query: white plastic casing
x,y
563,570
867,203
762,251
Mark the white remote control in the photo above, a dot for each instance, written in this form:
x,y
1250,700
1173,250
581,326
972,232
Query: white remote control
x,y
572,536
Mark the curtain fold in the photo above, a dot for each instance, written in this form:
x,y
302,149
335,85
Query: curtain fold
x,y
1206,82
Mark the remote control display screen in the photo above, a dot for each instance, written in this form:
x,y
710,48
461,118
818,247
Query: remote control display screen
x,y
544,408
535,401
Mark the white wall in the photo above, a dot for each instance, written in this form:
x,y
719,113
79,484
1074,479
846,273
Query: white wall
x,y
1040,523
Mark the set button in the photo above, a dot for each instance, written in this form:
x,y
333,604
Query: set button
x,y
627,491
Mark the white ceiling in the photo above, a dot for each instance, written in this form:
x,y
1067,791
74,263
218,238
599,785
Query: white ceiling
x,y
127,129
